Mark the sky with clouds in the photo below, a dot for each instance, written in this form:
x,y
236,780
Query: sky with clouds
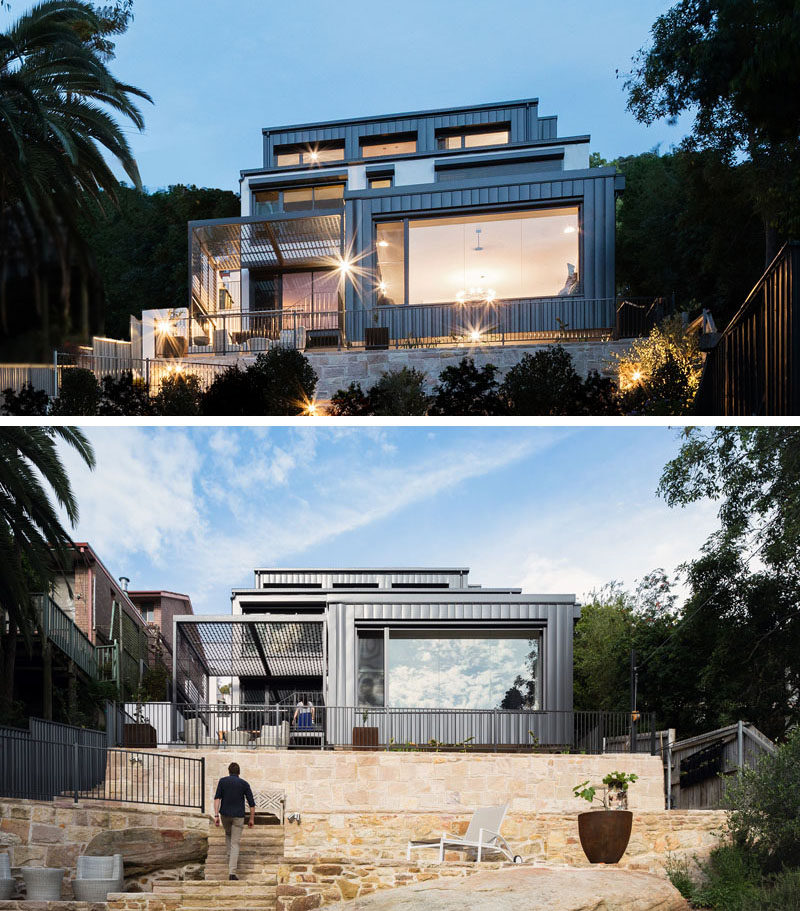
x,y
553,510
220,70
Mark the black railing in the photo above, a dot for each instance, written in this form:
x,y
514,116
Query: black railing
x,y
755,367
43,768
488,730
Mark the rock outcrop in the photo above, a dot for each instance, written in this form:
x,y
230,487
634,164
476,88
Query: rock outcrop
x,y
534,889
145,848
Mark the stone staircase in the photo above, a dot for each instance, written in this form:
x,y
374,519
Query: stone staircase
x,y
260,851
258,893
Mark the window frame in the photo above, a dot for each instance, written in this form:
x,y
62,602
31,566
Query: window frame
x,y
280,190
442,135
304,151
406,217
386,139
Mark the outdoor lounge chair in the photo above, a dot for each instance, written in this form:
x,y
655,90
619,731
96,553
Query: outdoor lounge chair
x,y
95,877
483,834
6,880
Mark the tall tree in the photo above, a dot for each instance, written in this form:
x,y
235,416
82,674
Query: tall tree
x,y
57,105
733,64
33,540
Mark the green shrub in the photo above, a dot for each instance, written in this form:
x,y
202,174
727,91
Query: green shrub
x,y
79,393
351,401
680,876
125,395
764,807
400,392
780,892
28,401
179,395
731,879
465,389
280,382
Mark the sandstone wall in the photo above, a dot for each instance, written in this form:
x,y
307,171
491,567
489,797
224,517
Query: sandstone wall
x,y
539,837
336,370
159,843
334,781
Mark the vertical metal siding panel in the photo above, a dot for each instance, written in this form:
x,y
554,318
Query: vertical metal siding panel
x,y
589,240
599,260
609,238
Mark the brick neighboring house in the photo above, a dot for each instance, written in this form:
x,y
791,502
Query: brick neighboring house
x,y
158,609
100,606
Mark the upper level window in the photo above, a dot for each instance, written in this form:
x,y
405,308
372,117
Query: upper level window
x,y
299,199
378,183
309,154
474,137
148,611
394,144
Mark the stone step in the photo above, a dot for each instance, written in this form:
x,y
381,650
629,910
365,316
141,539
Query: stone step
x,y
215,886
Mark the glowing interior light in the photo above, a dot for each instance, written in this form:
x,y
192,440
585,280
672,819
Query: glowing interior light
x,y
383,243
569,230
382,286
314,155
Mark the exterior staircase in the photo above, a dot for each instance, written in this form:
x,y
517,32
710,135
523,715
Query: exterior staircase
x,y
260,852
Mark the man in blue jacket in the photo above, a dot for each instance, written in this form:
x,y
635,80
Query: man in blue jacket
x,y
229,811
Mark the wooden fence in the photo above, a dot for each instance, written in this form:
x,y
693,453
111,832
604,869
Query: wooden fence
x,y
755,367
699,767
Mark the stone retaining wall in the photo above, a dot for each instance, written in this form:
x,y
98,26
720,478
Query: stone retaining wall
x,y
333,781
537,837
53,834
337,369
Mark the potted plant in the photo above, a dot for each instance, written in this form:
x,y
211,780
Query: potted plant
x,y
605,832
365,737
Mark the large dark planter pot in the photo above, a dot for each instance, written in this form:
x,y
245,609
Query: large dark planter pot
x,y
139,735
604,834
365,738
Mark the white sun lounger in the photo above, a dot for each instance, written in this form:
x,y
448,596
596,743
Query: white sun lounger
x,y
483,834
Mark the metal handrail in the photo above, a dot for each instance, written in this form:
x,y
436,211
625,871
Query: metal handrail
x,y
62,631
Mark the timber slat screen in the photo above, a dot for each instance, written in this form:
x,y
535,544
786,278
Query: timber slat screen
x,y
479,730
755,367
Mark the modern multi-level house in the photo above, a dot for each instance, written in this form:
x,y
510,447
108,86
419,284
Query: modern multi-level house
x,y
417,228
380,640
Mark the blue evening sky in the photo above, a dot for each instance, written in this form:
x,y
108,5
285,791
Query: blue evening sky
x,y
220,70
554,510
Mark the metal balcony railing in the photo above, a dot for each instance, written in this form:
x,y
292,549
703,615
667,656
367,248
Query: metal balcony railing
x,y
62,631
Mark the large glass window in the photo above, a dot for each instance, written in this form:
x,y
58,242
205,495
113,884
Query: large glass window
x,y
398,144
390,249
503,255
464,669
315,294
370,683
308,154
328,197
494,135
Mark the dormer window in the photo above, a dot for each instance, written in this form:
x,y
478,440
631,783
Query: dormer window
x,y
309,154
391,144
474,137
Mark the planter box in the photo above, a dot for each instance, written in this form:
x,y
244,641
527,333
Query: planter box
x,y
139,735
604,834
376,338
365,738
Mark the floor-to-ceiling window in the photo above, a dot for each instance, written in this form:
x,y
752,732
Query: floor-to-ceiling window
x,y
315,295
489,256
463,669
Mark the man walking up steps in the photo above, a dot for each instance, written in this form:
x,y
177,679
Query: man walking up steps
x,y
229,811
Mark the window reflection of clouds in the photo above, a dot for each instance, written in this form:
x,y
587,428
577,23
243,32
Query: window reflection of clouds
x,y
455,673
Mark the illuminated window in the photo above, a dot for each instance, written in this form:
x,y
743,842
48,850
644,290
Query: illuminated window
x,y
475,137
378,183
390,248
308,154
494,256
396,144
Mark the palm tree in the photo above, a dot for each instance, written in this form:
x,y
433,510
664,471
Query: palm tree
x,y
57,101
34,544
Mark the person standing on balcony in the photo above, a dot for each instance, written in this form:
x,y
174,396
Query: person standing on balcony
x,y
304,715
229,812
